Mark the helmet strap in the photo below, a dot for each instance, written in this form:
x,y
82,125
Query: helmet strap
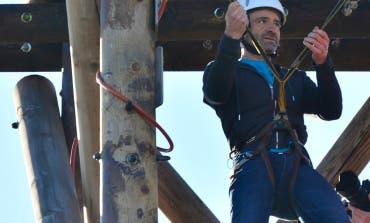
x,y
248,46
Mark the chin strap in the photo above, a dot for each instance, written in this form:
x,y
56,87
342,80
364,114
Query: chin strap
x,y
254,50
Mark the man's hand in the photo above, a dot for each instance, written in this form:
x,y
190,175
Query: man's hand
x,y
359,216
318,42
236,20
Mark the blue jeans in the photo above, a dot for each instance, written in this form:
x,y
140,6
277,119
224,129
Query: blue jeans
x,y
253,198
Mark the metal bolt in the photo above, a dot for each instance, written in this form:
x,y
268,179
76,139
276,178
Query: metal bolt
x,y
15,125
335,43
219,13
97,156
132,158
108,74
26,47
161,157
207,44
135,66
26,17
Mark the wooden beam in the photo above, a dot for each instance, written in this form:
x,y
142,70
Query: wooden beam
x,y
196,54
42,57
347,54
177,200
182,29
352,150
182,20
195,20
48,24
83,23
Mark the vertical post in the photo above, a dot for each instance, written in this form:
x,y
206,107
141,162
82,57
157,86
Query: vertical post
x,y
129,190
45,151
83,25
68,117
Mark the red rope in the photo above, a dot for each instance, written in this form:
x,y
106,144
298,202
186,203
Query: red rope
x,y
72,158
162,7
138,109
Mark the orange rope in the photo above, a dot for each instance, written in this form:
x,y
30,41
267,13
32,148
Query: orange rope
x,y
72,158
138,109
162,7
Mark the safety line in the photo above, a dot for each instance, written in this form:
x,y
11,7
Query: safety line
x,y
138,109
72,158
299,59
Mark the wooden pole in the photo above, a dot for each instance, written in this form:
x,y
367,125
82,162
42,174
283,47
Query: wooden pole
x,y
45,151
129,167
178,201
83,24
68,118
352,149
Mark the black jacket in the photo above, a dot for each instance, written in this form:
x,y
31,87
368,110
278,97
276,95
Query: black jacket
x,y
245,103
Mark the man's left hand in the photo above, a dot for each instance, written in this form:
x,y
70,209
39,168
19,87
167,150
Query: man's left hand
x,y
318,42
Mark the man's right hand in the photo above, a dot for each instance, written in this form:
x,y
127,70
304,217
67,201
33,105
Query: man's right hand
x,y
236,20
358,215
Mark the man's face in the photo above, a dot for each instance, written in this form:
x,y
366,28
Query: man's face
x,y
265,25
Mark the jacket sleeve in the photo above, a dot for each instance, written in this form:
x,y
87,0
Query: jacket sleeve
x,y
328,102
218,77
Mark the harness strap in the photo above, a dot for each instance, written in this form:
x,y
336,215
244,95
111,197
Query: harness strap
x,y
265,135
298,155
261,149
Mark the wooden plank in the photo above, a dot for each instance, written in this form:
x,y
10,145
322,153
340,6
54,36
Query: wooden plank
x,y
83,23
42,57
195,20
48,24
177,200
182,20
182,24
347,54
352,149
51,183
196,54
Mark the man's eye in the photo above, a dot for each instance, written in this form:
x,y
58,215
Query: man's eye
x,y
278,24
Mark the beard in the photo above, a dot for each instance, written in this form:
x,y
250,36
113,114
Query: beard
x,y
268,41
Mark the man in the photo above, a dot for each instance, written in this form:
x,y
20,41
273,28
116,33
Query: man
x,y
244,94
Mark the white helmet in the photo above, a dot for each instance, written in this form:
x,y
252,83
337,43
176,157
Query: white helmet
x,y
275,4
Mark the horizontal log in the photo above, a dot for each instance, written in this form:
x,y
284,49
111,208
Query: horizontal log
x,y
347,54
182,20
195,20
194,55
177,200
47,25
187,21
42,57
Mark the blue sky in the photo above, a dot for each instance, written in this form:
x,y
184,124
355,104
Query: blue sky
x,y
200,153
